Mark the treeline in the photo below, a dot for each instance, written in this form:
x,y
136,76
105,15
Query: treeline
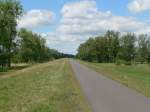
x,y
23,45
30,47
114,47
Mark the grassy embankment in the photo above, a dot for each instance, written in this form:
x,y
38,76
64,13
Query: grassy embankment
x,y
135,76
14,67
48,87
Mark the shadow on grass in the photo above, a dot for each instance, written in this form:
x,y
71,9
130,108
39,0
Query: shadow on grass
x,y
19,67
13,68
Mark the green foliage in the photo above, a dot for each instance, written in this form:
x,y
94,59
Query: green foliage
x,y
32,48
113,47
119,62
22,46
3,69
103,48
127,50
148,60
10,11
127,63
142,48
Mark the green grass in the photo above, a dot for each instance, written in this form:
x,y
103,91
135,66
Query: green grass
x,y
135,76
14,67
48,87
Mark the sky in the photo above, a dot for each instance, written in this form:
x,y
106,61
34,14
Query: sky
x,y
65,24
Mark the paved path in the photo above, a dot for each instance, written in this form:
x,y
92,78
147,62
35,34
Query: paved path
x,y
105,95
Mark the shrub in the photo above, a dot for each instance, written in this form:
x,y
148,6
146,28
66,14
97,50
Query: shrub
x,y
127,63
119,62
3,69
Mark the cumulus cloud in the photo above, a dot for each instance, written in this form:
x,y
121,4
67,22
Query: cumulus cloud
x,y
81,20
145,30
63,43
84,18
137,6
36,18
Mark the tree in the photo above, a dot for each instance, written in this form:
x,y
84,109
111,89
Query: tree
x,y
148,56
142,53
10,11
99,48
127,51
102,48
112,45
32,48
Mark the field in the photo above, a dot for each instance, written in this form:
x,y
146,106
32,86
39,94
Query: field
x,y
48,87
135,76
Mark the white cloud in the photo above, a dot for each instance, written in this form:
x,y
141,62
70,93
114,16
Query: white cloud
x,y
63,43
36,18
83,17
81,20
136,6
145,30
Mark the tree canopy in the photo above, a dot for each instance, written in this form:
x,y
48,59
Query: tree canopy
x,y
10,11
112,46
20,45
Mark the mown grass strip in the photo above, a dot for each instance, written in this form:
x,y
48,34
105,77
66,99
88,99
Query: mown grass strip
x,y
49,87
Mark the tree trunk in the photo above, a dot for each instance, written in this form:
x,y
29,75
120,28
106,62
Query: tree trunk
x,y
9,58
9,62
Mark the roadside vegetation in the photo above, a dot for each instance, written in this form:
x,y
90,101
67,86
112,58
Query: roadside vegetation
x,y
134,76
21,45
121,57
13,68
114,47
47,87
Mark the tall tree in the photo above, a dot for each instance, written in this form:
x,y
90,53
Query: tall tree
x,y
86,51
33,48
31,45
142,54
127,51
10,11
148,56
112,45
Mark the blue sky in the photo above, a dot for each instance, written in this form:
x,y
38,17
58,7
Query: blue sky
x,y
65,24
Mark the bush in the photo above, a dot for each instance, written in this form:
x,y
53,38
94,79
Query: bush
x,y
3,69
127,63
119,62
148,60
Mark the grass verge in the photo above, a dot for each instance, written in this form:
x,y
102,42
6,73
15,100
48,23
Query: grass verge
x,y
135,76
48,87
14,67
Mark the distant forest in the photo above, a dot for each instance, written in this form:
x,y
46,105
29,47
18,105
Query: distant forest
x,y
21,45
114,47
